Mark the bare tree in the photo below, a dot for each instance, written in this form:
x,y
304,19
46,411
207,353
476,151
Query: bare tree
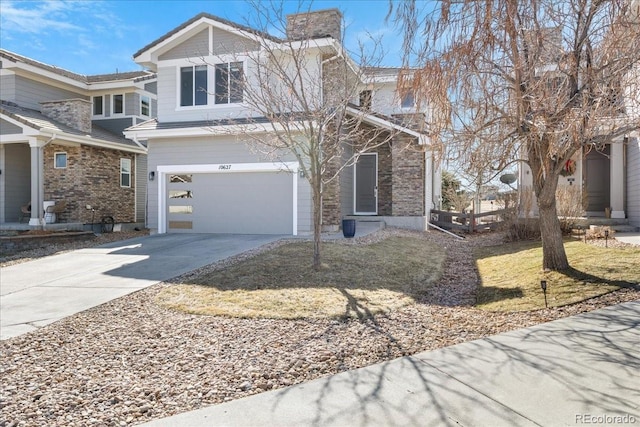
x,y
540,80
304,89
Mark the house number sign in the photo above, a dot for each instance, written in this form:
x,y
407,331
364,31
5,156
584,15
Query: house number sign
x,y
224,167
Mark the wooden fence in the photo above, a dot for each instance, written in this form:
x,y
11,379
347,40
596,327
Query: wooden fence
x,y
470,222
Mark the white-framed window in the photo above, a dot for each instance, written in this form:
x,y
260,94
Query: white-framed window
x,y
125,172
98,105
60,160
408,99
117,104
145,105
229,77
193,85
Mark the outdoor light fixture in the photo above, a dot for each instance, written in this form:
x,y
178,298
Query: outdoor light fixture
x,y
606,238
152,175
543,285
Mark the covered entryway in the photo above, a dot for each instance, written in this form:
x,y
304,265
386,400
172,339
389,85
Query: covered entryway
x,y
597,181
234,198
366,184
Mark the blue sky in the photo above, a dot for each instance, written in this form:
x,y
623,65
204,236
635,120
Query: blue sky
x,y
97,37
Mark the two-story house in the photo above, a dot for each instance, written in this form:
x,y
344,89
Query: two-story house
x,y
61,141
606,176
205,177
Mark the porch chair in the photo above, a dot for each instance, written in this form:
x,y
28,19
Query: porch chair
x,y
25,212
56,209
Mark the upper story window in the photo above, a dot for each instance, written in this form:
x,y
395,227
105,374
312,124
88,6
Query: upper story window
x,y
229,83
408,99
118,104
145,106
365,99
193,85
98,105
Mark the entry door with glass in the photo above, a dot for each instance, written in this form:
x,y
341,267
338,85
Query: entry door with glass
x,y
366,184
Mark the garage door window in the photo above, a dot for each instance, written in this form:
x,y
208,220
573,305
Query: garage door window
x,y
181,209
180,178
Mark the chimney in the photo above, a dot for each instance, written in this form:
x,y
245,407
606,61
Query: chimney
x,y
309,25
75,113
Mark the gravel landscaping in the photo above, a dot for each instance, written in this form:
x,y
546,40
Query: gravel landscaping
x,y
130,360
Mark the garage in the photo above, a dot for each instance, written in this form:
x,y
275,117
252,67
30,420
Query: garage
x,y
224,201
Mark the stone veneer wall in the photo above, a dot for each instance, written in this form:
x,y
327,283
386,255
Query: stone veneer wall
x,y
92,177
75,113
331,213
385,180
408,177
320,23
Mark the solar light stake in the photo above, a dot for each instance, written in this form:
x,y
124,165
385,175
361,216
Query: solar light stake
x,y
543,285
606,238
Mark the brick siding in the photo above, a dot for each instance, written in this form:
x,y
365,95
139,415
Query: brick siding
x,y
75,113
92,177
408,177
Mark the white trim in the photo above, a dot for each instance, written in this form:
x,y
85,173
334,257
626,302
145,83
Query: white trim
x,y
163,170
355,180
150,113
235,129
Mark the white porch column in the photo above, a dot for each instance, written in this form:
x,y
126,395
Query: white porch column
x,y
617,180
37,181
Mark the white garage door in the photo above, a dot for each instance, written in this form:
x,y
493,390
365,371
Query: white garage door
x,y
244,203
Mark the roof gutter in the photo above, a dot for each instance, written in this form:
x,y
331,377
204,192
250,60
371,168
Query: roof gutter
x,y
91,141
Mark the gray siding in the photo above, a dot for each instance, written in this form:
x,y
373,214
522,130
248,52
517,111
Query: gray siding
x,y
213,150
17,176
633,181
8,88
131,104
226,42
7,128
151,87
29,93
141,187
196,47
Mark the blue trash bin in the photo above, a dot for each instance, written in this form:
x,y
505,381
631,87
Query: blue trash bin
x,y
349,227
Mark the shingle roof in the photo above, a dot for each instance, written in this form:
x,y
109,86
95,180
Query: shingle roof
x,y
39,121
96,78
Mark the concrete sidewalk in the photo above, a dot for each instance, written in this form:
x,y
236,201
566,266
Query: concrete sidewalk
x,y
581,370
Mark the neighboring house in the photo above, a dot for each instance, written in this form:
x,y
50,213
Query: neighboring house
x,y
203,178
61,140
607,178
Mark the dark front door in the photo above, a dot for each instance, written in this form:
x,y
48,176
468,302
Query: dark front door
x,y
597,181
366,177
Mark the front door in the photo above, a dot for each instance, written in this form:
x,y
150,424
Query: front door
x,y
597,181
366,184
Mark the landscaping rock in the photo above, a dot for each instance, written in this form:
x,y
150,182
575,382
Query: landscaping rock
x,y
130,360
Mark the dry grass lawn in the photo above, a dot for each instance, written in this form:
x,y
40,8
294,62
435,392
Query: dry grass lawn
x,y
355,281
510,275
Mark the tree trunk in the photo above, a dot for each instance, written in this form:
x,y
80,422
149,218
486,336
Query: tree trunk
x,y
554,256
317,225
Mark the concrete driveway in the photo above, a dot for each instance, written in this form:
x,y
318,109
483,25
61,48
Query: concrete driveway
x,y
36,293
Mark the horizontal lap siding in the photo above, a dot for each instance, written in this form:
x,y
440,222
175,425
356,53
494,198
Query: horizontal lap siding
x,y
29,93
